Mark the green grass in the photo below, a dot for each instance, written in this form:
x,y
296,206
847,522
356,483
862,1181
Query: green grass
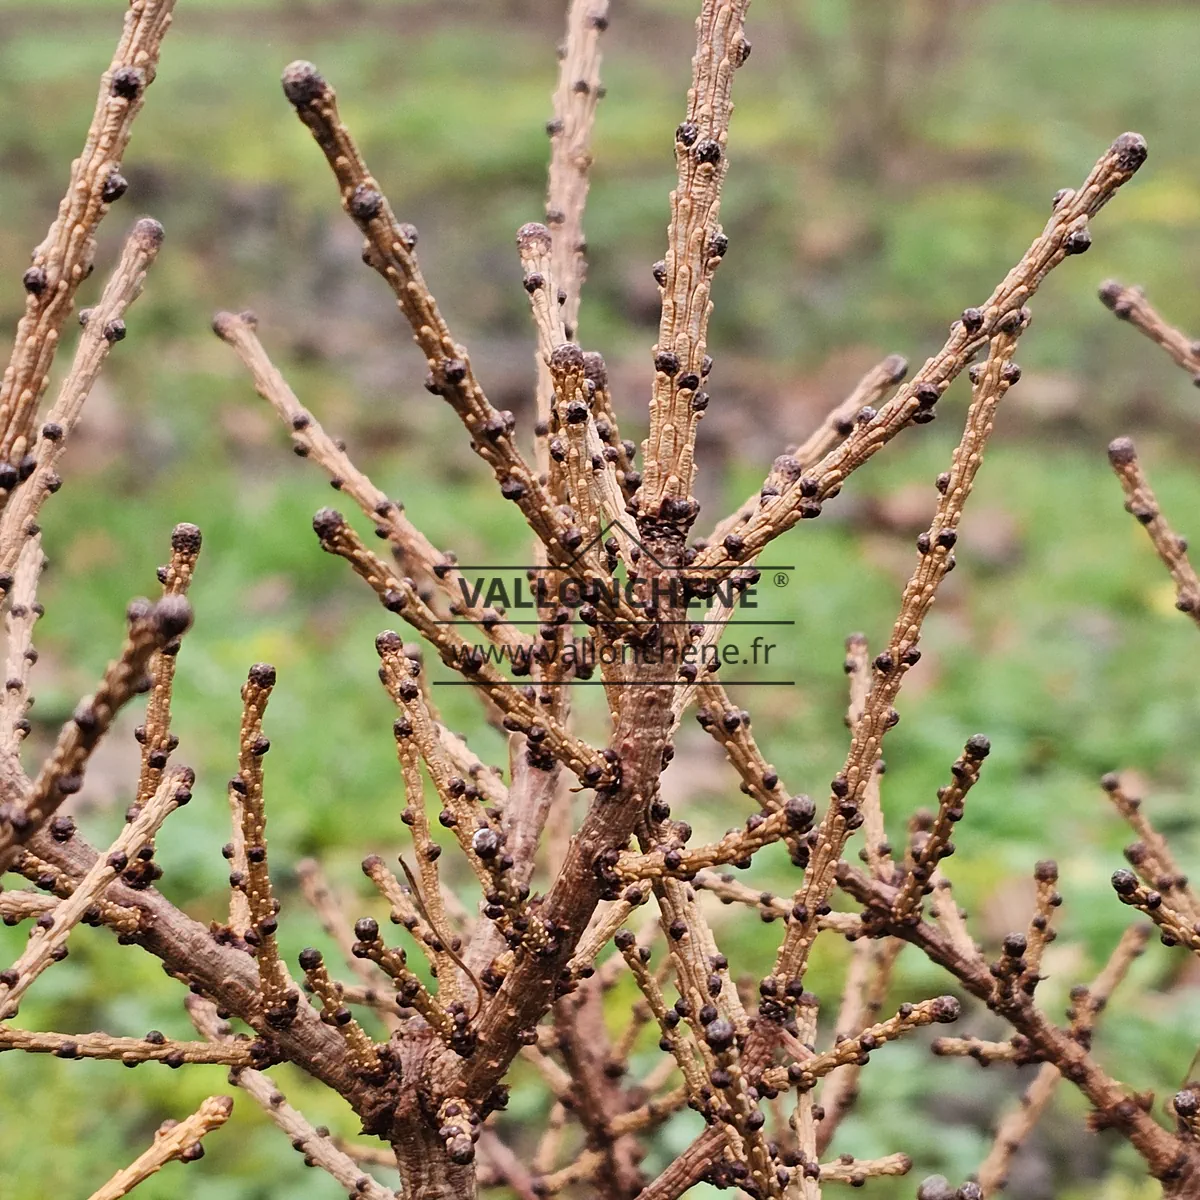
x,y
1064,649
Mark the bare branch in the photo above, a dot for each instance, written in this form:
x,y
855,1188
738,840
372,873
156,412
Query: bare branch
x,y
155,736
1176,927
940,1010
575,100
175,1140
399,596
390,251
131,1051
1141,503
414,551
862,999
122,919
362,1051
856,1171
834,429
695,247
1130,304
64,259
936,559
318,1148
1066,233
255,920
151,627
23,612
103,327
1150,855
932,843
1017,1124
47,942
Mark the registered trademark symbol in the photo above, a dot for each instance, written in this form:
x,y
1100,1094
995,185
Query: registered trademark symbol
x,y
781,578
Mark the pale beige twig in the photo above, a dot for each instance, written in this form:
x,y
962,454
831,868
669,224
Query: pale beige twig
x,y
856,1171
318,1148
47,941
1130,304
64,258
103,327
174,1140
131,1050
1150,856
390,250
253,908
695,247
20,655
936,559
150,627
837,425
414,551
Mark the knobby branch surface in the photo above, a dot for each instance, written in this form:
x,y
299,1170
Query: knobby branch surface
x,y
1067,233
151,628
1130,304
1141,504
103,327
581,879
175,1141
64,259
695,246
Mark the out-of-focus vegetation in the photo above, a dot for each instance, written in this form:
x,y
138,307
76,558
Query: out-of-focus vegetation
x,y
889,162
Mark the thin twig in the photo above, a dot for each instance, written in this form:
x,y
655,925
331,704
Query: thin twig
x,y
103,327
174,1140
47,942
151,627
318,1148
1065,234
1130,304
64,258
1141,503
695,247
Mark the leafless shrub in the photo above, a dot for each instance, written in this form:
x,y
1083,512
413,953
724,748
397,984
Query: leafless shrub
x,y
623,889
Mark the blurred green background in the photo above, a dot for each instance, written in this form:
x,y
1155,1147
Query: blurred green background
x,y
890,161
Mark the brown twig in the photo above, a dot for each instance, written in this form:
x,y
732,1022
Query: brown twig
x,y
400,597
47,942
131,1051
103,327
1065,234
413,550
254,916
936,559
1141,503
837,425
695,247
124,920
865,990
1176,927
64,258
930,845
151,627
1130,304
1150,855
804,1076
1015,1125
20,655
318,1148
363,1053
390,250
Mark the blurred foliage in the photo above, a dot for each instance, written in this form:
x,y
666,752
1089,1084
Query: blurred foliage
x,y
890,162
